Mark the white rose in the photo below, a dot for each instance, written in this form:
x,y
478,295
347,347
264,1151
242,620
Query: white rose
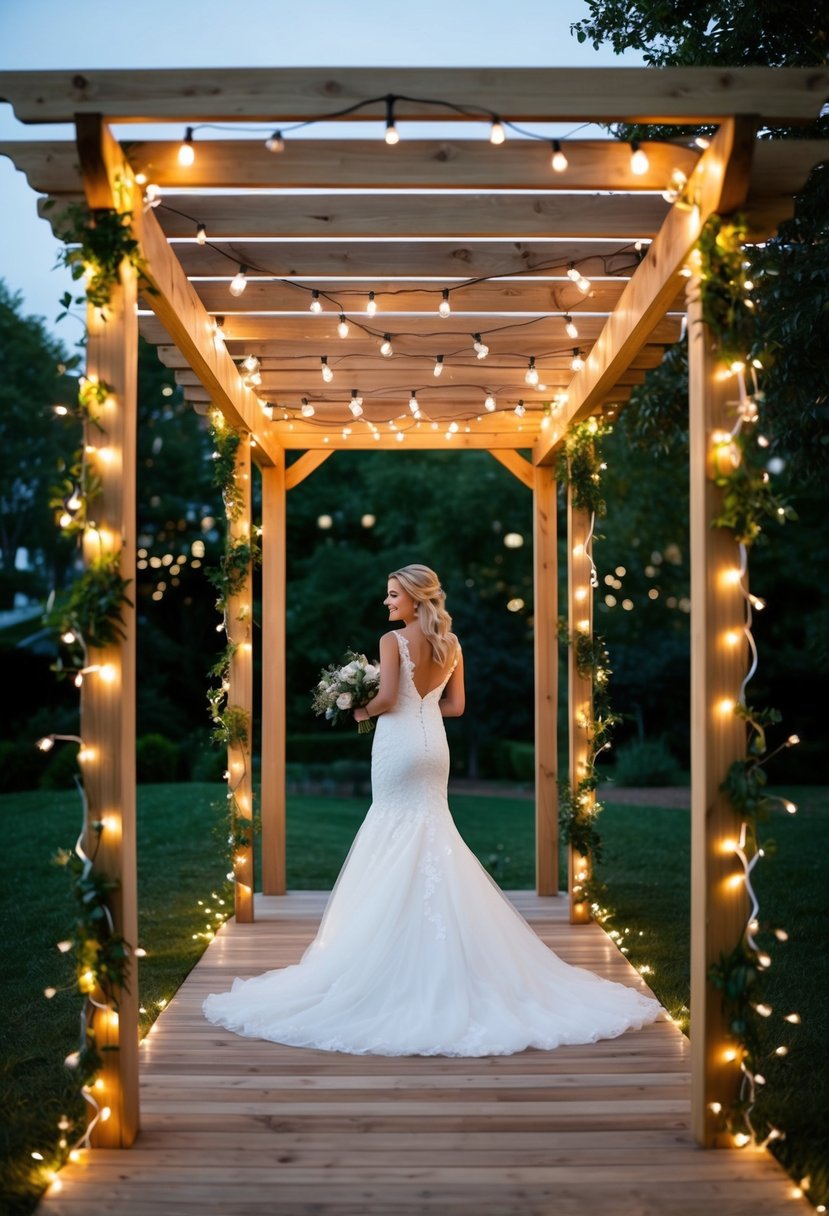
x,y
344,700
372,672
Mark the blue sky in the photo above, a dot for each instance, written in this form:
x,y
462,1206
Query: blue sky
x,y
36,34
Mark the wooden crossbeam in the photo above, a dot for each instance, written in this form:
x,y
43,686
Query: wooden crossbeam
x,y
361,439
719,183
268,95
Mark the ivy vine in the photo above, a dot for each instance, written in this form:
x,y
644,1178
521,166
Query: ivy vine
x,y
96,242
579,464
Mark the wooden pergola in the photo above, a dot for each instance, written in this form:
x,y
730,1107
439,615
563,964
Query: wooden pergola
x,y
492,229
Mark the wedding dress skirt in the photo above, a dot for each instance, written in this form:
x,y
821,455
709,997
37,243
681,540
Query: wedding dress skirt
x,y
418,951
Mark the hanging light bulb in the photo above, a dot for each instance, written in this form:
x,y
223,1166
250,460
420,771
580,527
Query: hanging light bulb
x,y
186,152
250,363
371,307
639,163
201,234
327,373
342,328
520,409
275,143
479,346
573,273
386,348
239,281
306,409
576,363
316,302
438,365
559,160
356,403
570,326
218,331
392,134
489,403
583,284
497,134
531,374
444,308
413,406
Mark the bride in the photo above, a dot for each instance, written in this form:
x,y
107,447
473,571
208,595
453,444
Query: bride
x,y
419,952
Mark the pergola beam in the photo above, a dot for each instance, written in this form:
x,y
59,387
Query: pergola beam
x,y
719,183
268,95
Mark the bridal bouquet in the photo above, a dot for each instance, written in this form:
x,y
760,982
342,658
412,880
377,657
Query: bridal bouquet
x,y
345,686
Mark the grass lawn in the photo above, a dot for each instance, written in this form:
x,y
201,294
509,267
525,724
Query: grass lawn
x,y
645,867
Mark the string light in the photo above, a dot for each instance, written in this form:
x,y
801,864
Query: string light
x,y
316,302
239,281
438,368
371,307
307,411
201,234
327,373
413,406
497,134
186,152
342,327
479,346
531,374
489,403
444,308
356,403
639,163
520,409
559,160
392,135
577,362
570,326
275,142
386,348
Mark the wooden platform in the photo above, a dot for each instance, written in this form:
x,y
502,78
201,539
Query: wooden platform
x,y
234,1126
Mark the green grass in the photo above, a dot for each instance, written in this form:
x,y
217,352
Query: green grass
x,y
645,867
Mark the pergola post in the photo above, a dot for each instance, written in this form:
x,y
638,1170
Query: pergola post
x,y
545,613
108,697
580,690
718,735
273,678
239,623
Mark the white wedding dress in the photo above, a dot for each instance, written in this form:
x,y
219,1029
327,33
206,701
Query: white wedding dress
x,y
419,952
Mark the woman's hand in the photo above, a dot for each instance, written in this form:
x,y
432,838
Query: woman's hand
x,y
361,714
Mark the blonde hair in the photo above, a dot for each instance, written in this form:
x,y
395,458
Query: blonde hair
x,y
423,585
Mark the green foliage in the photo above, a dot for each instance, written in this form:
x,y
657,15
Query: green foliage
x,y
727,306
93,607
748,500
156,758
580,463
577,814
232,726
645,762
231,575
96,242
226,442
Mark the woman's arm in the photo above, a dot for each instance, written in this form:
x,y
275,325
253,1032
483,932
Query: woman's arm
x,y
389,680
453,701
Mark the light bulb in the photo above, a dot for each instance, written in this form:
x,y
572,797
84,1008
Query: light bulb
x,y
250,363
275,143
186,152
201,234
531,374
576,363
327,373
570,327
497,134
639,163
444,308
479,346
306,409
559,161
386,348
392,134
371,307
239,281
45,744
573,273
489,403
342,328
316,302
413,406
438,365
520,409
583,284
356,403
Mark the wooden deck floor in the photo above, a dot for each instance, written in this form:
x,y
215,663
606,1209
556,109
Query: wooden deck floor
x,y
235,1126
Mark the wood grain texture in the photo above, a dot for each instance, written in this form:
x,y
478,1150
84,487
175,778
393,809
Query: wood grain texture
x,y
273,724
545,659
235,1126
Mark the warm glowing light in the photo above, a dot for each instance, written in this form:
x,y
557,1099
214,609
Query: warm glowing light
x,y
108,673
639,163
239,281
794,1018
726,705
386,348
497,134
731,637
558,160
729,1055
741,1139
316,302
342,327
444,308
489,404
186,152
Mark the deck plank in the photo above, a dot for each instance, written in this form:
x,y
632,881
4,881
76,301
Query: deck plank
x,y
232,1125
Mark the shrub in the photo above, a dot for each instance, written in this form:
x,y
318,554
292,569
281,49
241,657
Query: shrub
x,y
156,759
21,766
645,762
62,768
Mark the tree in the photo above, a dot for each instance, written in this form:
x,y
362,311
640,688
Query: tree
x,y
32,442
